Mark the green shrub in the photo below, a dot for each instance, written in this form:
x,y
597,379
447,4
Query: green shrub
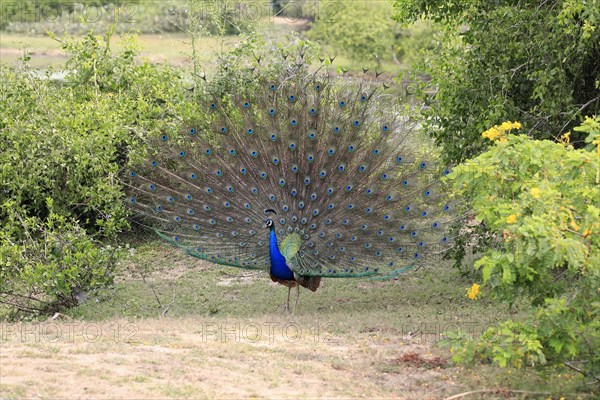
x,y
69,141
228,17
541,198
53,266
531,61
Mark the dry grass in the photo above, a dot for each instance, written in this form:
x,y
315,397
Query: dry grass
x,y
173,358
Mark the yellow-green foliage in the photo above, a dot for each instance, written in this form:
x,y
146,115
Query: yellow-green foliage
x,y
542,199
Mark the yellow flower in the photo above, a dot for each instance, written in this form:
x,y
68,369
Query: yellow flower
x,y
511,219
499,131
574,225
473,291
535,192
566,138
587,233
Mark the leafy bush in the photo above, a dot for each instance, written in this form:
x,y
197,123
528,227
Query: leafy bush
x,y
542,199
53,266
149,16
532,61
68,141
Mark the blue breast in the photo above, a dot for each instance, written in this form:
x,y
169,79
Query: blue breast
x,y
279,268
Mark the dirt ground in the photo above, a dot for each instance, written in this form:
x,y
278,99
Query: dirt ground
x,y
214,358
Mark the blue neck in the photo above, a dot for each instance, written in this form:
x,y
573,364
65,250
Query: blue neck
x,y
279,268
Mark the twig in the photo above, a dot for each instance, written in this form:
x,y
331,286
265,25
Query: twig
x,y
58,315
583,107
574,368
165,307
153,291
168,306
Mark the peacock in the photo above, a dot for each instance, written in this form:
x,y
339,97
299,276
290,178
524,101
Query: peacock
x,y
304,172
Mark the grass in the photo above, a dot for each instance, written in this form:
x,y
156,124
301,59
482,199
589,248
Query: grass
x,y
352,338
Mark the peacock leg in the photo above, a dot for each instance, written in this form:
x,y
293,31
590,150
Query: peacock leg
x,y
287,305
297,297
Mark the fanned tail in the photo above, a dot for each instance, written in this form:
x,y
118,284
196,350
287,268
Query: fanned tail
x,y
334,158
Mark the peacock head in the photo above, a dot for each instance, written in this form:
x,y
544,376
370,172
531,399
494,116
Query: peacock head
x,y
269,222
